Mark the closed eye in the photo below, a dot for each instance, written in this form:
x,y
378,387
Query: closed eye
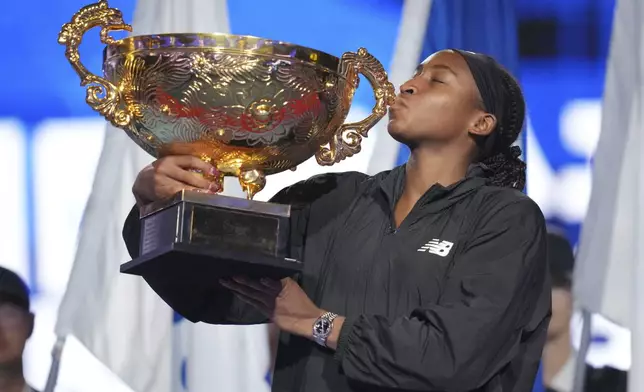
x,y
434,80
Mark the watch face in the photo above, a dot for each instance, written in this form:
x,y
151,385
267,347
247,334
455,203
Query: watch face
x,y
322,326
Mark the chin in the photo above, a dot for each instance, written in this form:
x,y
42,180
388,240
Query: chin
x,y
8,357
398,133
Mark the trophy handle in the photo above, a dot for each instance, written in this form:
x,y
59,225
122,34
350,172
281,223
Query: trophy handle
x,y
102,95
347,139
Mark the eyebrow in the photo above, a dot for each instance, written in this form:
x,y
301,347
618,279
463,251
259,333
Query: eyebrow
x,y
419,69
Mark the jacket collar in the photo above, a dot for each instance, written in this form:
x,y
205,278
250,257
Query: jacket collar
x,y
437,197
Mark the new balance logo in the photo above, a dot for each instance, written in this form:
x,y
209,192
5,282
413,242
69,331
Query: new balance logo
x,y
437,247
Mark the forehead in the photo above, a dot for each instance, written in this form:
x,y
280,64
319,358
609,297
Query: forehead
x,y
447,58
9,311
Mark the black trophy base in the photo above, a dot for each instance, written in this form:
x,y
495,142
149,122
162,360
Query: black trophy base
x,y
191,242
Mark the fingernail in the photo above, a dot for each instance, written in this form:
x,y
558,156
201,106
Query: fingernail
x,y
214,187
265,281
213,171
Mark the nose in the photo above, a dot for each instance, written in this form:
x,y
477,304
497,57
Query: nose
x,y
407,88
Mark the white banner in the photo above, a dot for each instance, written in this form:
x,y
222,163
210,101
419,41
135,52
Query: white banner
x,y
118,317
610,266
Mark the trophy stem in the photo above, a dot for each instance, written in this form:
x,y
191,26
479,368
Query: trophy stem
x,y
252,181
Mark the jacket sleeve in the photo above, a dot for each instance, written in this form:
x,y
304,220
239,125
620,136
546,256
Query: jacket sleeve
x,y
494,290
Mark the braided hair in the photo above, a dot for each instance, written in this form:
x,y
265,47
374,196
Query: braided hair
x,y
501,96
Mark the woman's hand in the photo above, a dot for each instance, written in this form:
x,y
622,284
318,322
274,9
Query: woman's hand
x,y
283,301
169,175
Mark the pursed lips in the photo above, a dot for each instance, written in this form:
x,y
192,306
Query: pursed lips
x,y
399,104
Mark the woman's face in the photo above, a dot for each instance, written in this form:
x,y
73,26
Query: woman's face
x,y
440,103
16,325
561,312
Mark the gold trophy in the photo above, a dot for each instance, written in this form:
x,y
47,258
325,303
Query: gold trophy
x,y
251,107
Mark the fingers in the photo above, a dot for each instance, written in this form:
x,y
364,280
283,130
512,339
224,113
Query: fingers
x,y
264,285
273,286
171,174
183,169
188,162
254,303
193,179
244,289
169,186
253,289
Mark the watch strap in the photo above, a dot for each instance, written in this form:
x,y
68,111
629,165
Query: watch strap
x,y
321,338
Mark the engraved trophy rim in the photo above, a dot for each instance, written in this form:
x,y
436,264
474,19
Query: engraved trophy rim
x,y
222,42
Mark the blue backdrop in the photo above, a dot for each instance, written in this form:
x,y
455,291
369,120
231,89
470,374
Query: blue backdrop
x,y
38,84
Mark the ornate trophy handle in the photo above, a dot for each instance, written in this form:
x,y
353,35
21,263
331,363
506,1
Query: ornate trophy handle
x,y
347,139
102,95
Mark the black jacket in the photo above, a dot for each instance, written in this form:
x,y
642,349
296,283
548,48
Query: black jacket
x,y
456,299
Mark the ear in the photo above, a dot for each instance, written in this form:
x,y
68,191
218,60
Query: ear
x,y
483,125
31,319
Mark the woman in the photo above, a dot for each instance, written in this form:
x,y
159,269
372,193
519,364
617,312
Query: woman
x,y
558,355
428,277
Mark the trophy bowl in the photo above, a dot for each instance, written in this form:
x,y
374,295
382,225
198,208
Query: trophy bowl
x,y
249,106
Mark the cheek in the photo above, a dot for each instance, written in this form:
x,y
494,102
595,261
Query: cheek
x,y
437,115
12,343
561,310
561,301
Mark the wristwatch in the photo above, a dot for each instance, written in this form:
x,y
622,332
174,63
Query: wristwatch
x,y
323,327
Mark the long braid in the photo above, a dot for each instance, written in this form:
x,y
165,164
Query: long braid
x,y
501,96
509,170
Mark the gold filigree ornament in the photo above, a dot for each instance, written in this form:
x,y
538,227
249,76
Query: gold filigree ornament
x,y
251,106
102,95
348,138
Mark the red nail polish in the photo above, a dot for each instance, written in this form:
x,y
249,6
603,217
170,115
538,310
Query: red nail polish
x,y
214,187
